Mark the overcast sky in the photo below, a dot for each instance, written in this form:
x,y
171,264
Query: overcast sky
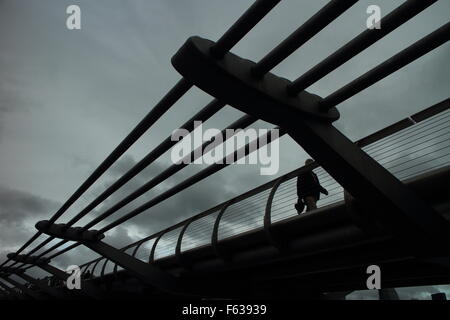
x,y
67,98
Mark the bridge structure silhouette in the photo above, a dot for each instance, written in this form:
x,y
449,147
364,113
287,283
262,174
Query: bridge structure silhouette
x,y
388,203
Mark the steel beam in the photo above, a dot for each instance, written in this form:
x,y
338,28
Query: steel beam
x,y
305,32
364,40
396,62
116,266
243,25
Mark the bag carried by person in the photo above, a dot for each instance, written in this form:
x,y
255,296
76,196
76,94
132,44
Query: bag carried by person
x,y
300,206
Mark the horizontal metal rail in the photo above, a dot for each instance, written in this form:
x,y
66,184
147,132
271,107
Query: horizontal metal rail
x,y
398,61
392,21
242,26
300,36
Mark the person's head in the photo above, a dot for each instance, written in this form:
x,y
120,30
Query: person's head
x,y
308,161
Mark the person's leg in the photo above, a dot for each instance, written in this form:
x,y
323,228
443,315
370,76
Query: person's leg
x,y
310,202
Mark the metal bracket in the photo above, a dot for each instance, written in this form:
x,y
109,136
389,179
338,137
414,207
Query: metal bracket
x,y
183,261
250,94
62,231
151,258
34,260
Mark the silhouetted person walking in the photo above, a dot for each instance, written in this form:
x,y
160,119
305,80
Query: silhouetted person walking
x,y
308,190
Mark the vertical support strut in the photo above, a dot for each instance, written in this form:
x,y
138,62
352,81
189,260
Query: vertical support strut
x,y
85,268
95,266
215,234
136,249
104,267
151,258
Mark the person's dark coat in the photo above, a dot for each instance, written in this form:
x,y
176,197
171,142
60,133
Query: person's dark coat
x,y
308,185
